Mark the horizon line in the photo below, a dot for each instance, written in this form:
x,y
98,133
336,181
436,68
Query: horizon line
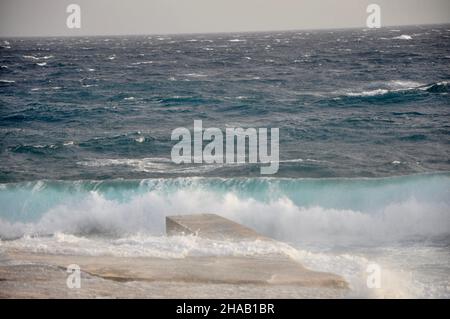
x,y
219,32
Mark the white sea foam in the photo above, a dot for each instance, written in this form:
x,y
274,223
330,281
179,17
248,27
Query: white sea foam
x,y
142,245
404,84
196,75
32,57
150,164
426,87
144,213
388,87
368,93
395,281
404,272
159,165
142,62
403,37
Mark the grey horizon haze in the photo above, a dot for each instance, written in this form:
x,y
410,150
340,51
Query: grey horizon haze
x,y
114,17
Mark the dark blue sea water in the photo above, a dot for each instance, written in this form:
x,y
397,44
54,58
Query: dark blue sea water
x,y
348,103
364,119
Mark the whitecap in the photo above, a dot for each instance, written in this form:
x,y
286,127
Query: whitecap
x,y
397,218
195,75
32,57
142,62
403,37
368,93
391,86
404,84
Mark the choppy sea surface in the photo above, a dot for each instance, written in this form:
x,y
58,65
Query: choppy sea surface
x,y
85,168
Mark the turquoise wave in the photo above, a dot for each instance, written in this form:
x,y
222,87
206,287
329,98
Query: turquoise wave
x,y
28,201
317,210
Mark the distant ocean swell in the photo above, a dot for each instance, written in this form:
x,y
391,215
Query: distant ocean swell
x,y
102,108
325,211
400,88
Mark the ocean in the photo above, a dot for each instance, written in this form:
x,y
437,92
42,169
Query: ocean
x,y
364,168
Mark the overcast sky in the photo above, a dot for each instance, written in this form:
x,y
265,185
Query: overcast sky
x,y
109,17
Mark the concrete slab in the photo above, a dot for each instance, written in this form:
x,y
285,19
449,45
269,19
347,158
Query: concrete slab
x,y
239,270
210,226
244,276
276,268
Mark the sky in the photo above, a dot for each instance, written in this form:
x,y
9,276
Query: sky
x,y
124,17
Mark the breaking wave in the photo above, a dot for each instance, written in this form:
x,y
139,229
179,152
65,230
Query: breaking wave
x,y
394,88
326,211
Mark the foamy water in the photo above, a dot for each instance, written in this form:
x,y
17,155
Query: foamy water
x,y
417,271
337,225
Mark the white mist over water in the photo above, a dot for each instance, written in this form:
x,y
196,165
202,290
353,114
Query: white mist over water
x,y
329,212
406,271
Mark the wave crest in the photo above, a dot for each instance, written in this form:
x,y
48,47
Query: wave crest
x,y
328,211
